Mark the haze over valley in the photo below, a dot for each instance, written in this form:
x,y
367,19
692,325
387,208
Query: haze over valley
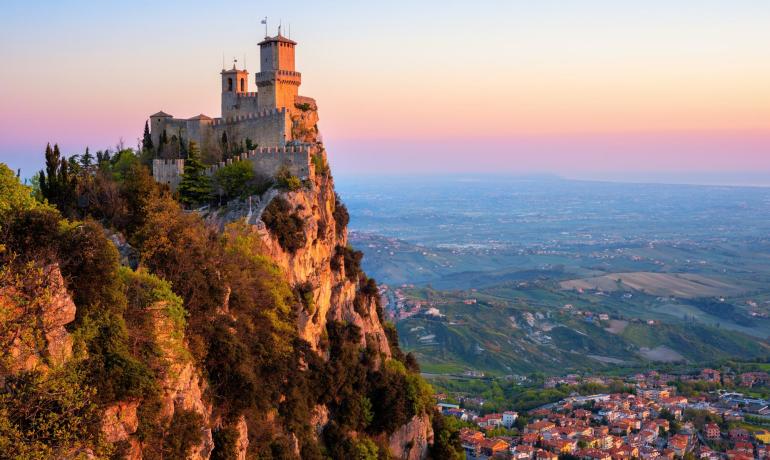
x,y
509,275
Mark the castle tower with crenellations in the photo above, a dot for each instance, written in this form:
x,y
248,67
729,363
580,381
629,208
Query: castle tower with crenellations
x,y
274,119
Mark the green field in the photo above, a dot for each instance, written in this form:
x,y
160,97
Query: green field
x,y
524,328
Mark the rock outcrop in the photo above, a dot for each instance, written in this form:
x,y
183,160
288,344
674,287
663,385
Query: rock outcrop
x,y
34,322
333,291
411,441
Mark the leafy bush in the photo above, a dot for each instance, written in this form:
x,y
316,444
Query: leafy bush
x,y
349,259
14,195
183,433
115,372
233,178
48,416
341,215
398,396
225,447
286,180
284,224
305,293
320,165
143,291
446,440
305,106
167,438
238,180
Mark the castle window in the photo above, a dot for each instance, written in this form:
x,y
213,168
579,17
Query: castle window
x,y
229,84
243,85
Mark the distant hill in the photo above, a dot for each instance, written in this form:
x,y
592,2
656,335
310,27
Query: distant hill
x,y
522,330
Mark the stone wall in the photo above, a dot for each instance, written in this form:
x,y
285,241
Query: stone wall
x,y
168,171
268,128
265,161
265,128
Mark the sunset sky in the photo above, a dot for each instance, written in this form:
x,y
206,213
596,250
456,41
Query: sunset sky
x,y
580,88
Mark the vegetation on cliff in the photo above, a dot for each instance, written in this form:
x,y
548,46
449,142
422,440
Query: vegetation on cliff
x,y
156,290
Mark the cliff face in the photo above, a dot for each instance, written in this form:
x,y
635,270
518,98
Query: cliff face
x,y
260,340
333,289
36,338
314,265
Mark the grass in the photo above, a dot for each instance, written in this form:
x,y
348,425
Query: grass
x,y
482,336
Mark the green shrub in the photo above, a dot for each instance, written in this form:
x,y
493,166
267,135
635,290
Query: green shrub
x,y
183,433
305,293
114,371
48,416
303,107
286,180
225,440
349,259
233,180
341,215
320,165
446,439
284,224
14,195
143,291
163,438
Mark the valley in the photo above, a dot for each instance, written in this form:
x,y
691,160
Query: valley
x,y
506,277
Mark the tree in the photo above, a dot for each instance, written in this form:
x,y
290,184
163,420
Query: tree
x,y
86,160
147,138
56,184
162,141
224,145
195,187
13,195
446,440
234,180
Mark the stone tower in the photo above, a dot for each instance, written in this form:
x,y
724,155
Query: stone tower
x,y
235,83
277,80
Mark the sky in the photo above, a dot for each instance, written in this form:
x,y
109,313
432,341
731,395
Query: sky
x,y
589,89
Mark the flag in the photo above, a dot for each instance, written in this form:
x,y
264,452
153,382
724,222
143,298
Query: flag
x,y
264,21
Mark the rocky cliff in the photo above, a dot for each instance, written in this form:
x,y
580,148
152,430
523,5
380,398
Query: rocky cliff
x,y
134,328
319,266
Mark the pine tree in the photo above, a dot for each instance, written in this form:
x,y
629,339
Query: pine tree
x,y
86,160
146,138
195,187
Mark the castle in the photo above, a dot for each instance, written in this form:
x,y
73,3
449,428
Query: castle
x,y
275,119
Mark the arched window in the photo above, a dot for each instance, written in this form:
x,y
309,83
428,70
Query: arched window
x,y
243,85
229,84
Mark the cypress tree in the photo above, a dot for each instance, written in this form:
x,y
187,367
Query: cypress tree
x,y
48,177
182,147
57,184
195,187
146,138
162,141
86,160
225,152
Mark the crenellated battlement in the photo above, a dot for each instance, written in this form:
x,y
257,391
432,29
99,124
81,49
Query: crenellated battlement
x,y
251,116
276,118
290,152
265,161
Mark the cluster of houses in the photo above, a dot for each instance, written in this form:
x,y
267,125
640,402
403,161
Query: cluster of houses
x,y
654,378
649,424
